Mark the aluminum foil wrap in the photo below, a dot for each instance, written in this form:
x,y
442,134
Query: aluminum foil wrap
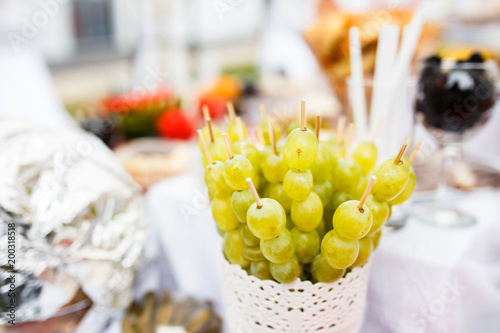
x,y
79,220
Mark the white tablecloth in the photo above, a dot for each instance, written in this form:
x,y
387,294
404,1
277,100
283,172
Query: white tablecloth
x,y
423,279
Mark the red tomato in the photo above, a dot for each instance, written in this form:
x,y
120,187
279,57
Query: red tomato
x,y
216,105
175,124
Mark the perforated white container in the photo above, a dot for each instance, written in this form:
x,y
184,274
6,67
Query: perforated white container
x,y
256,306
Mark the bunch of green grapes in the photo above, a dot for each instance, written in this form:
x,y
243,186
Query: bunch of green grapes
x,y
307,210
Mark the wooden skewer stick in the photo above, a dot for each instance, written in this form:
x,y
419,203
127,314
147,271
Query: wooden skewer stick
x,y
243,150
253,138
348,140
254,192
228,146
317,125
239,124
401,153
206,112
205,148
208,122
230,110
272,134
368,189
210,130
302,115
263,111
340,130
414,152
409,141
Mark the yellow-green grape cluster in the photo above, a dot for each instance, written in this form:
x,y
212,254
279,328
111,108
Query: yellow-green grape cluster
x,y
320,214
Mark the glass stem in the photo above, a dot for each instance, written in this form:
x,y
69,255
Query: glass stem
x,y
451,153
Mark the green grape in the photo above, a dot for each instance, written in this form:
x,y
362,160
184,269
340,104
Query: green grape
x,y
300,150
274,168
234,132
408,191
306,245
251,153
293,125
380,213
263,128
322,166
277,192
233,249
366,156
321,229
221,232
253,254
307,214
217,151
336,153
260,269
350,222
280,249
287,272
376,238
359,190
338,252
215,181
391,180
223,214
268,221
338,198
323,272
324,190
240,202
266,151
236,170
346,174
365,251
206,134
298,185
248,237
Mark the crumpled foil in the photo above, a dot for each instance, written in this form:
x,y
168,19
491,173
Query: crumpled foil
x,y
80,221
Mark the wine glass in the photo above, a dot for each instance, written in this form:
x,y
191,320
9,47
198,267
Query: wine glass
x,y
454,99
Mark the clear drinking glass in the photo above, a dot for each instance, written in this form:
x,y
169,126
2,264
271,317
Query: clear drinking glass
x,y
453,100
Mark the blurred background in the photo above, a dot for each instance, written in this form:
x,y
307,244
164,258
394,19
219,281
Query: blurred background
x,y
136,73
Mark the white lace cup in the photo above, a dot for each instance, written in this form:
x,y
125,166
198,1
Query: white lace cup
x,y
255,306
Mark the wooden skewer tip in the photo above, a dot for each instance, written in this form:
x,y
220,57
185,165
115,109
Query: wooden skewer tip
x,y
302,115
206,112
414,152
230,110
205,147
272,135
368,189
401,153
254,192
317,125
228,146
